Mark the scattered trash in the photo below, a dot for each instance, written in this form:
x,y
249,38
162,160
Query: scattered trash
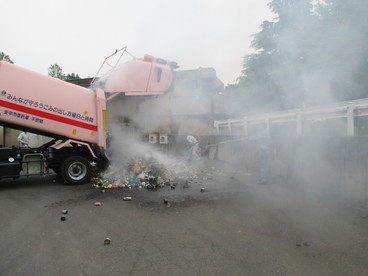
x,y
150,174
63,218
127,198
202,190
166,201
64,211
97,203
133,181
107,241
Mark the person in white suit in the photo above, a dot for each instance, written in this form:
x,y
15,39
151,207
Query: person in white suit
x,y
23,139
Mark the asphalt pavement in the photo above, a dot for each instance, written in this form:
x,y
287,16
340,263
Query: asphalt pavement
x,y
233,227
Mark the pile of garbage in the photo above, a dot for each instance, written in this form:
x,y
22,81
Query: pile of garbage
x,y
149,173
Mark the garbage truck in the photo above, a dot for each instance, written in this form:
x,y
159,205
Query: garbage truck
x,y
74,117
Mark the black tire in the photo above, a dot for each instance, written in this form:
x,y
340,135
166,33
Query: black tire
x,y
105,162
56,170
76,170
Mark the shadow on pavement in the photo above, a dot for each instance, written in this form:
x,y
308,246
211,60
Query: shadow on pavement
x,y
31,181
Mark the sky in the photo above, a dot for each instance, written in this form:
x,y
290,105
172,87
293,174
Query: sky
x,y
78,35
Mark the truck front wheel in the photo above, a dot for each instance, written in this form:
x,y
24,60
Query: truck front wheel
x,y
76,170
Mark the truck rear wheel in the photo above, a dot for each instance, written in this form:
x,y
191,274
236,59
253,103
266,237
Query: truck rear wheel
x,y
76,170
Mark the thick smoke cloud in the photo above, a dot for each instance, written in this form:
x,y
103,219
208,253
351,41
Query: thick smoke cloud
x,y
312,62
310,55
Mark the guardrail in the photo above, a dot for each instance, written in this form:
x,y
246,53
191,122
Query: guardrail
x,y
348,110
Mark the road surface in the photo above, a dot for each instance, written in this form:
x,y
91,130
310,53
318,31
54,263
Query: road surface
x,y
234,227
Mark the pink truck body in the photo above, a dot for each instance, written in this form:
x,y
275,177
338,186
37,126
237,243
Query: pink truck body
x,y
69,113
139,77
43,103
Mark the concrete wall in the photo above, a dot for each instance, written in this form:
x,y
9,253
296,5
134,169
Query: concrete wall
x,y
10,136
155,114
189,106
1,136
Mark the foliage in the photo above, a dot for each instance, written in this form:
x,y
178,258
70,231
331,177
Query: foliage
x,y
72,76
56,72
3,56
313,52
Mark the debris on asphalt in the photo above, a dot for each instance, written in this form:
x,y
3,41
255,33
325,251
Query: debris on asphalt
x,y
107,241
64,212
202,190
127,198
63,218
150,174
166,201
97,203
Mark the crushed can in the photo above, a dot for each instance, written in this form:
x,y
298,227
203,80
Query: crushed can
x,y
107,241
127,198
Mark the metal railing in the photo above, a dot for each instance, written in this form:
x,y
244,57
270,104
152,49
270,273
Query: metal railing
x,y
348,110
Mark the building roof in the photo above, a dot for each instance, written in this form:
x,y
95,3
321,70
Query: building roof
x,y
201,78
81,82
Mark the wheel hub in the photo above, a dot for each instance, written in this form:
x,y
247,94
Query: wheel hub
x,y
77,171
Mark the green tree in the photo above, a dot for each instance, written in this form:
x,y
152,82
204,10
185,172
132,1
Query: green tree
x,y
270,76
3,56
72,76
345,47
56,71
313,52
